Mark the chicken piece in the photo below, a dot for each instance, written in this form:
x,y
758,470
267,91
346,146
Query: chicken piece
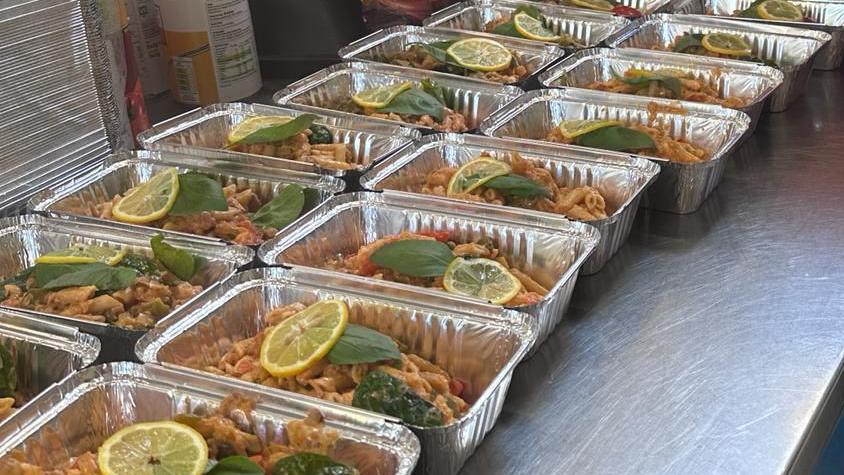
x,y
471,249
71,295
310,435
279,314
105,305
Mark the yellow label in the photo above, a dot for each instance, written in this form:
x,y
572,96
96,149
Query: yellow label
x,y
192,77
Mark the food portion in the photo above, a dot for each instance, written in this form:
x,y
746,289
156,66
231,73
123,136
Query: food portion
x,y
106,285
9,397
314,350
716,45
519,183
195,203
528,22
425,104
778,10
296,139
430,259
479,58
667,83
650,140
227,441
609,6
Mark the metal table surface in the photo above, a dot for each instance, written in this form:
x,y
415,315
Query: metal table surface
x,y
712,342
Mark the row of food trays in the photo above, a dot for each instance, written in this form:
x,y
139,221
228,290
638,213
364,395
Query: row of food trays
x,y
410,220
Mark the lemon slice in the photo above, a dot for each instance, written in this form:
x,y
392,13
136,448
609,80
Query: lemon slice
x,y
379,97
153,448
480,54
295,344
254,124
602,5
533,29
726,44
779,10
482,278
149,201
474,174
83,255
574,128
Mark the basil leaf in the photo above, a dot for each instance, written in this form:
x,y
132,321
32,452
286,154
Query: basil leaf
x,y
359,344
385,394
616,138
102,276
277,133
439,50
507,29
198,193
414,257
8,374
688,40
305,463
434,90
283,209
671,83
180,262
142,264
531,11
416,102
18,280
236,465
519,186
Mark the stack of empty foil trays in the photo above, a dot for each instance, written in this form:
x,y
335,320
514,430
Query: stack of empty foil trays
x,y
586,28
56,98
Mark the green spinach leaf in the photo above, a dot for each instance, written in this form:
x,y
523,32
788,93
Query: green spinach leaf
x,y
687,41
305,463
18,280
385,394
363,345
277,133
197,193
102,276
434,90
283,209
507,29
8,374
142,264
178,261
414,257
616,138
236,465
671,83
518,186
416,102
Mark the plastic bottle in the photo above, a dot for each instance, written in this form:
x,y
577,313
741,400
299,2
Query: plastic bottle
x,y
211,50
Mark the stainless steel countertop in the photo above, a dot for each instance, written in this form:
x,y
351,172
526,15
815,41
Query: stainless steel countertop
x,y
712,342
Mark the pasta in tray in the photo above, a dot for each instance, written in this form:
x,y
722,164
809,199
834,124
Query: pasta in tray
x,y
227,435
341,379
669,84
535,188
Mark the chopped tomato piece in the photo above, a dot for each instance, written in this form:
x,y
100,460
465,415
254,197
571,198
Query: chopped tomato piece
x,y
456,386
441,236
367,268
627,12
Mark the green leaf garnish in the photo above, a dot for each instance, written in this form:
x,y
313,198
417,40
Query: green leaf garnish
x,y
178,261
277,133
236,465
616,138
518,186
305,463
8,374
416,102
142,264
102,276
359,344
385,394
320,135
507,29
198,193
671,83
531,11
434,90
414,257
283,209
438,49
687,41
